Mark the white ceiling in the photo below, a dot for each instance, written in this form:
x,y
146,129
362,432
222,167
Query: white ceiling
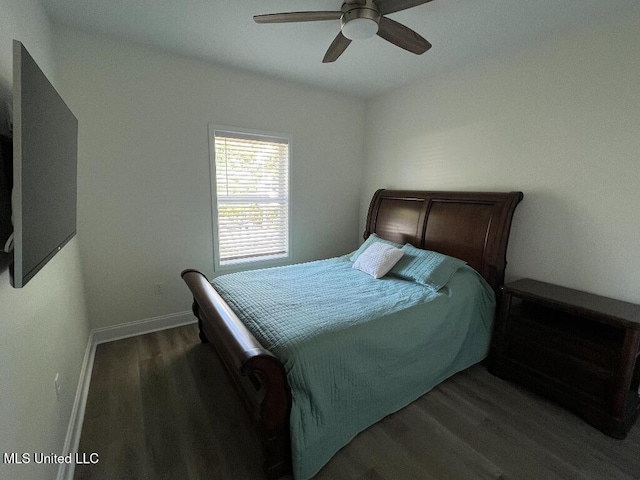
x,y
223,32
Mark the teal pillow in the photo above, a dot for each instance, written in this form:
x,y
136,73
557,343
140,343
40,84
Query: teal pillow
x,y
428,268
372,239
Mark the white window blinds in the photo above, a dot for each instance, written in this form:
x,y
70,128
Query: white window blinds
x,y
252,195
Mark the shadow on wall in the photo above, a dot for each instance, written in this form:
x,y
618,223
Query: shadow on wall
x,y
4,262
548,235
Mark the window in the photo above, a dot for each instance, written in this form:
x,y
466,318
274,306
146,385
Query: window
x,y
250,181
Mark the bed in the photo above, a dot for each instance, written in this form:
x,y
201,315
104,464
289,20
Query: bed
x,y
305,399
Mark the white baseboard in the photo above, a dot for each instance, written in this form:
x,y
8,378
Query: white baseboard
x,y
65,471
140,327
104,335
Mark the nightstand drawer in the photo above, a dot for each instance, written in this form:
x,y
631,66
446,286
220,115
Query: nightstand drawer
x,y
583,339
581,377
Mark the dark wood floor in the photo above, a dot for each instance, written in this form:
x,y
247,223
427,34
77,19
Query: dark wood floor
x,y
160,407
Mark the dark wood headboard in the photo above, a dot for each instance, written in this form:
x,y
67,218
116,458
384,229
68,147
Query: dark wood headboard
x,y
472,226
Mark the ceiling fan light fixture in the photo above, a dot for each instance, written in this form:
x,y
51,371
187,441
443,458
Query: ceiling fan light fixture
x,y
360,23
360,29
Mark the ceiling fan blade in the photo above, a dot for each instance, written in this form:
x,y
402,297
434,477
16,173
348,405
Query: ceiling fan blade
x,y
391,6
296,17
339,45
402,36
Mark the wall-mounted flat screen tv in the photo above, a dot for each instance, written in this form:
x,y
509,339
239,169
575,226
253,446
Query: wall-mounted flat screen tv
x,y
45,153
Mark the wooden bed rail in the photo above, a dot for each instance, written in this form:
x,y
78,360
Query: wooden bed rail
x,y
266,395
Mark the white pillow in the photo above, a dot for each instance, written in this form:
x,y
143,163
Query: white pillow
x,y
378,259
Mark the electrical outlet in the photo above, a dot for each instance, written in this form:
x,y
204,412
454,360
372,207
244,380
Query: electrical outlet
x,y
57,383
158,288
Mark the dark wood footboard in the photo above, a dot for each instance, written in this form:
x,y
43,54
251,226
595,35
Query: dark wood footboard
x,y
257,375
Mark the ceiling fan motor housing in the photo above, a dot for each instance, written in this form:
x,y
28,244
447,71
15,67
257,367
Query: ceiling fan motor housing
x,y
359,21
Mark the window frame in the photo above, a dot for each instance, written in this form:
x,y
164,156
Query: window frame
x,y
256,262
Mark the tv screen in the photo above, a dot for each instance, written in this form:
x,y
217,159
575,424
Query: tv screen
x,y
45,139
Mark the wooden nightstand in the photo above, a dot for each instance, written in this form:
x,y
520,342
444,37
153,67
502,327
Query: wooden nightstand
x,y
579,349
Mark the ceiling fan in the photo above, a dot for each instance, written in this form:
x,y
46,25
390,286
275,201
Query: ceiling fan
x,y
360,19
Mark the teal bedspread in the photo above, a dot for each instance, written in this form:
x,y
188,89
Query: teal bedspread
x,y
357,349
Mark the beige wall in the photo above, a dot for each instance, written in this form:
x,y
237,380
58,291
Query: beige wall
x,y
43,326
144,189
561,123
